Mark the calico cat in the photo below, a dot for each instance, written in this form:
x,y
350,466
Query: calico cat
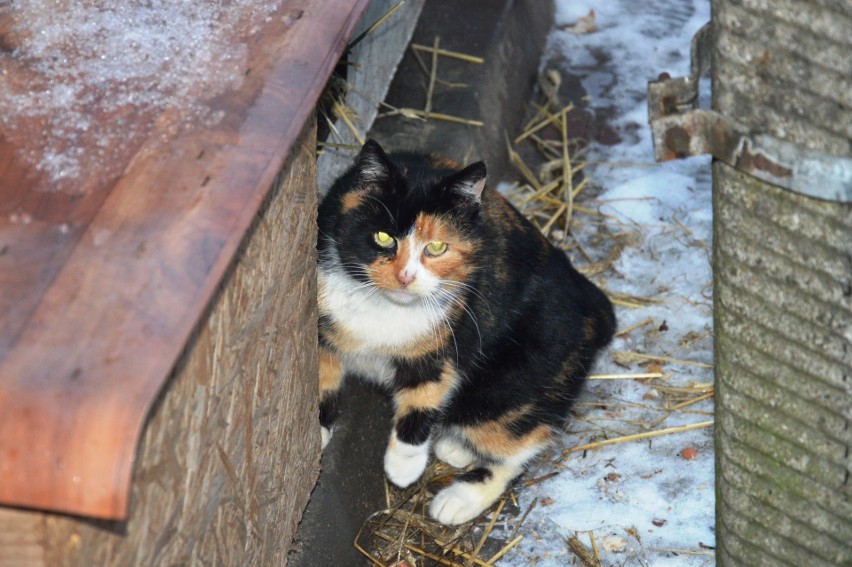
x,y
433,285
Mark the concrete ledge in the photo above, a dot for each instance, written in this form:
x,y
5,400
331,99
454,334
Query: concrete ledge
x,y
377,58
510,36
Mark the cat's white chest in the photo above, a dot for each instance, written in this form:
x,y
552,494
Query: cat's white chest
x,y
375,321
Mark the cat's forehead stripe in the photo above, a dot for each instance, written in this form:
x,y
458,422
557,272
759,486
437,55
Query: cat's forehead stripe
x,y
403,254
352,200
445,162
430,228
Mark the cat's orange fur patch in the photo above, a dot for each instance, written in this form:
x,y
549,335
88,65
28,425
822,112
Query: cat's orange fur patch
x,y
495,438
382,273
501,213
452,265
428,395
330,371
570,366
384,270
440,161
352,200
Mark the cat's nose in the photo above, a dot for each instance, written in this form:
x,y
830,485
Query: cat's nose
x,y
405,278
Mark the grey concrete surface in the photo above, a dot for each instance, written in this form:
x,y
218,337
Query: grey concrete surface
x,y
510,36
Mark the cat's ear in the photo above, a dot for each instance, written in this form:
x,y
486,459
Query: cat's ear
x,y
373,164
469,182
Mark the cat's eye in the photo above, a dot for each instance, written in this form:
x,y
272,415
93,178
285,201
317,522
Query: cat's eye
x,y
436,248
384,239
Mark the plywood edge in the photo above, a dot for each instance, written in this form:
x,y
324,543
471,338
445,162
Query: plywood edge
x,y
75,390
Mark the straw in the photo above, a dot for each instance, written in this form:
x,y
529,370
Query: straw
x,y
504,550
377,23
582,552
414,113
648,321
626,376
637,436
640,356
433,73
446,53
487,531
343,114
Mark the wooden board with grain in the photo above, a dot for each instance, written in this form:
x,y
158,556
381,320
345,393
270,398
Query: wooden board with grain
x,y
230,450
101,284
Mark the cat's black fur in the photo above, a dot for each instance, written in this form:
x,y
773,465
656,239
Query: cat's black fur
x,y
490,381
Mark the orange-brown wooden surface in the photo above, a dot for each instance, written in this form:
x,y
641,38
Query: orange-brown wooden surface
x,y
103,280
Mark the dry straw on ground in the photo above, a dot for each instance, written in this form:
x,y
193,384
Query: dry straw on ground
x,y
403,534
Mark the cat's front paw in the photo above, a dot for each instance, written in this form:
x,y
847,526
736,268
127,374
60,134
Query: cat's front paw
x,y
459,503
325,436
453,452
404,463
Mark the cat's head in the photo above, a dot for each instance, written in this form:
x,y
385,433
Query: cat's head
x,y
406,225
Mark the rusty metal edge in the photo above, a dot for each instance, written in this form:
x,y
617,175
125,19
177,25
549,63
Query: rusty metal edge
x,y
680,129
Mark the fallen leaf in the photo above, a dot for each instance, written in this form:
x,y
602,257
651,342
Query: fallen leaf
x,y
690,338
689,453
659,523
584,25
655,366
614,544
546,501
612,477
634,533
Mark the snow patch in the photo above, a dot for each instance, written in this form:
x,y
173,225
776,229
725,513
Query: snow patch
x,y
644,503
79,59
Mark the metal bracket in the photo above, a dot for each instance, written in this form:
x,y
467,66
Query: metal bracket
x,y
680,129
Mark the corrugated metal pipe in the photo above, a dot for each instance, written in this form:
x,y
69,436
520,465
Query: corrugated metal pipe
x,y
781,133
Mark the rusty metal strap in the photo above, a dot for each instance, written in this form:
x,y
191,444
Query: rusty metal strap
x,y
681,129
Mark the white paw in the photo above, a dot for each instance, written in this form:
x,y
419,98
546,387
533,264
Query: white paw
x,y
325,435
453,453
459,503
405,463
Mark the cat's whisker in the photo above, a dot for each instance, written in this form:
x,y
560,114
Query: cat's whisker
x,y
455,300
468,288
358,267
390,215
442,313
449,324
433,309
368,285
329,237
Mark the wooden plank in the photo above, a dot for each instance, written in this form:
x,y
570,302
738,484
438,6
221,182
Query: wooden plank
x,y
21,539
140,256
230,451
